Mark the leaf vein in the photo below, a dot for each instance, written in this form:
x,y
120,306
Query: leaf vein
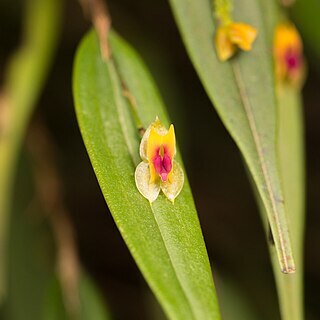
x,y
256,137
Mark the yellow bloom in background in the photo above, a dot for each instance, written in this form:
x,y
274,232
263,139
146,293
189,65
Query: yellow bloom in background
x,y
232,36
158,169
288,54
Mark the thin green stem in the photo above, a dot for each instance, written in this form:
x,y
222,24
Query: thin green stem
x,y
222,10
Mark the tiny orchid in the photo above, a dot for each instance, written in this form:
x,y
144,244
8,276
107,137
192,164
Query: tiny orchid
x,y
234,35
159,170
288,55
230,35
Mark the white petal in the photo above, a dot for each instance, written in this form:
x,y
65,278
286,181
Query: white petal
x,y
143,144
172,190
142,177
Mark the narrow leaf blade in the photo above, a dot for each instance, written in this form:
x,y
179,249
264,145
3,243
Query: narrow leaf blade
x,y
291,151
91,306
164,239
242,91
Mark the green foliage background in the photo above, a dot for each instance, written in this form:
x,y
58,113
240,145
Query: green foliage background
x,y
234,236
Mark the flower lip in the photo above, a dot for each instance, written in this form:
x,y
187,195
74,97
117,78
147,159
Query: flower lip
x,y
162,163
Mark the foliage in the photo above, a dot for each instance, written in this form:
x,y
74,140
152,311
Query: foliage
x,y
172,231
232,47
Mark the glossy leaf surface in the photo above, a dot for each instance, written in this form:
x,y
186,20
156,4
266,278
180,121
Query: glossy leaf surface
x,y
242,91
164,239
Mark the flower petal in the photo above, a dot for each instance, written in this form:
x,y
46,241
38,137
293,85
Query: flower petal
x,y
169,142
142,177
286,36
225,48
172,190
288,55
243,35
143,144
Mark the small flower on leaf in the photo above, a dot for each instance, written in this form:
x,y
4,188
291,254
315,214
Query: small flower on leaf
x,y
289,62
233,35
158,170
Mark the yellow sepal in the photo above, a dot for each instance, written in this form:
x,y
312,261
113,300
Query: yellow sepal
x,y
243,35
233,35
225,48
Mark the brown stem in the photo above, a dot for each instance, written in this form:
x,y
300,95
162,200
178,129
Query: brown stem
x,y
101,20
287,3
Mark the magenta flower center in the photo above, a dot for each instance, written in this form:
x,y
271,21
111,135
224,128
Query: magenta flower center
x,y
162,163
292,59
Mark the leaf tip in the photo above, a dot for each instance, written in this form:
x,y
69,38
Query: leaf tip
x,y
288,265
288,270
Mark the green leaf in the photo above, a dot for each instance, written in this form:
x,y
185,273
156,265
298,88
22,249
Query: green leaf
x,y
91,303
54,306
242,91
234,302
291,155
33,291
164,239
292,166
30,256
291,158
25,77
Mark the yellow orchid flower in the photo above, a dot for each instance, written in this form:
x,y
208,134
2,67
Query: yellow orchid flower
x,y
158,169
288,55
234,35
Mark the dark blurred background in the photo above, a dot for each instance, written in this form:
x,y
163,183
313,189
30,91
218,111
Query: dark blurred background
x,y
229,216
